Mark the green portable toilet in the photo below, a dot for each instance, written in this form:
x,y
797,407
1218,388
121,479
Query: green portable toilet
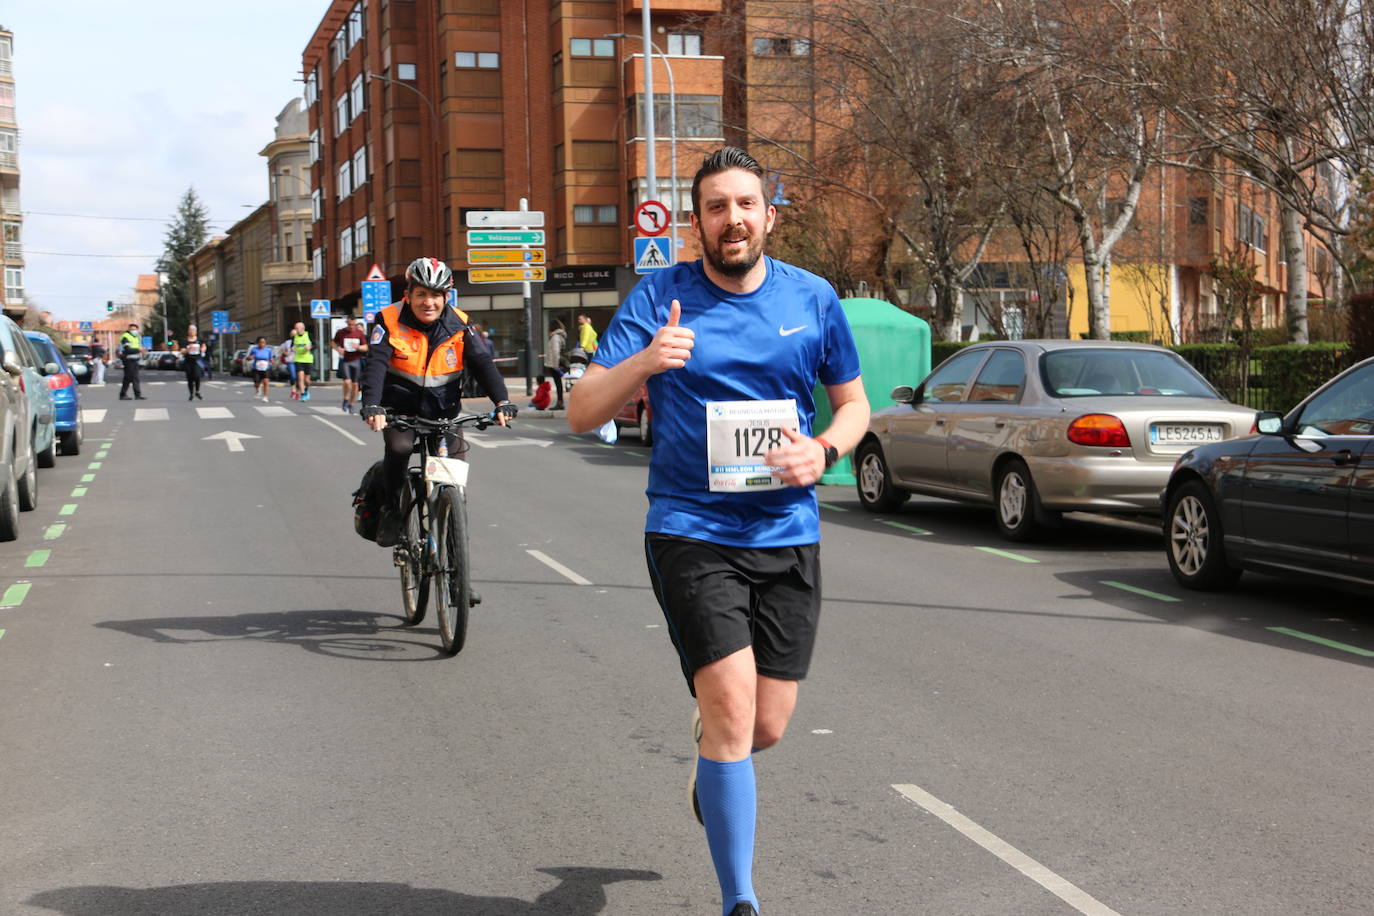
x,y
894,349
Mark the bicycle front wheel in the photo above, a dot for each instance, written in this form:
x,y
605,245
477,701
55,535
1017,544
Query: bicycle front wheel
x,y
409,555
452,586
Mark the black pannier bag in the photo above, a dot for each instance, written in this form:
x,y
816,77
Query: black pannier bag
x,y
367,503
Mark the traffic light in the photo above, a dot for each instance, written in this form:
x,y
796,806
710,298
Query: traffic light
x,y
109,305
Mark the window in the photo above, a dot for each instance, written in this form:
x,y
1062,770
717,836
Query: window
x,y
345,179
317,263
315,145
684,44
1001,378
782,47
355,25
591,47
14,284
289,246
1197,211
312,87
316,210
340,114
12,231
359,167
357,96
594,155
697,116
338,47
360,240
1251,228
345,245
405,71
479,163
947,383
6,47
7,101
598,214
9,141
480,60
1343,409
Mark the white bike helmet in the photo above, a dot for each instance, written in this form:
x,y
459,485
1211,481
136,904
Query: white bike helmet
x,y
431,273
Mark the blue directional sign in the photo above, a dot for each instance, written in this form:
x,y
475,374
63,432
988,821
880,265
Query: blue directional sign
x,y
147,343
85,326
319,308
376,296
651,254
219,321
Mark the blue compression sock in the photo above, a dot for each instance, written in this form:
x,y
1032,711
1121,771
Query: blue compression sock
x,y
725,792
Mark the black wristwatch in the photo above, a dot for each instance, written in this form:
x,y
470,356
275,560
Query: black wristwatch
x,y
832,454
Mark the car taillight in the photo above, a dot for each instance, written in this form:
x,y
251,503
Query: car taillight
x,y
60,380
1099,429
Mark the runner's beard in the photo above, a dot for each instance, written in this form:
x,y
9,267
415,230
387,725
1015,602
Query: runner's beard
x,y
753,250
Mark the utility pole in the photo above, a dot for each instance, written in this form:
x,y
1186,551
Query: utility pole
x,y
650,152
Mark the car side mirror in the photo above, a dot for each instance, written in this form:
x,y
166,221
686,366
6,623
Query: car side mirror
x,y
51,368
11,363
903,394
1269,422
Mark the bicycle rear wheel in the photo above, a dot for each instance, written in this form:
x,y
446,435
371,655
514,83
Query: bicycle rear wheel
x,y
452,586
409,556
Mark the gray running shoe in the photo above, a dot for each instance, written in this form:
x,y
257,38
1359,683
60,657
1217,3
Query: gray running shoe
x,y
692,783
744,908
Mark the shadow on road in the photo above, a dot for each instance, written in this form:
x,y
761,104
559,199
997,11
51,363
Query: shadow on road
x,y
360,635
580,892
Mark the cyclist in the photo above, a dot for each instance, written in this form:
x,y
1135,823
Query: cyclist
x,y
417,357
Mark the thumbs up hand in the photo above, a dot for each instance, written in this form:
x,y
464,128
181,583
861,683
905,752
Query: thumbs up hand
x,y
671,346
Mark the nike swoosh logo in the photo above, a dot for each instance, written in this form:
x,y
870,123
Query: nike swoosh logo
x,y
788,332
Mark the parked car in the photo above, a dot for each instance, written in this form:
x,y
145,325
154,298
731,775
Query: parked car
x,y
237,362
1035,428
36,446
1296,499
66,399
17,461
149,359
79,362
639,413
169,360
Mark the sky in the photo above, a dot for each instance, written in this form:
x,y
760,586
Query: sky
x,y
121,108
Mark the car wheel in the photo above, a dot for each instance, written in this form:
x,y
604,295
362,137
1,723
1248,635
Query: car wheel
x,y
646,434
28,484
71,439
9,510
1016,502
876,491
1194,541
48,457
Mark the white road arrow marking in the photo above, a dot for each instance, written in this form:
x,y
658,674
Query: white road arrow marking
x,y
233,439
497,443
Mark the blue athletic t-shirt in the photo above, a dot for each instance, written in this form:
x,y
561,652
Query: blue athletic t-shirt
x,y
772,344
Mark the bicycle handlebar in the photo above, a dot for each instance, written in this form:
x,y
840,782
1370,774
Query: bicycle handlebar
x,y
447,424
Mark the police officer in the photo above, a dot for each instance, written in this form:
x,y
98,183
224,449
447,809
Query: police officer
x,y
417,357
131,351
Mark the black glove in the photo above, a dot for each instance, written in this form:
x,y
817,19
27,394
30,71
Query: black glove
x,y
507,410
371,410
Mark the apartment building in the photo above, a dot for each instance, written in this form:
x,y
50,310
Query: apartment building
x,y
12,293
421,111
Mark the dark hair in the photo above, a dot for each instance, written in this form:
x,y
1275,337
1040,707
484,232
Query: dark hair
x,y
555,325
722,160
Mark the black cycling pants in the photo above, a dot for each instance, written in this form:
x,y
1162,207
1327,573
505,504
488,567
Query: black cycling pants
x,y
400,445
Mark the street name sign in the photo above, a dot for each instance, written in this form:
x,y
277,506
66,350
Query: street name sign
x,y
505,274
319,308
651,218
651,254
504,219
506,237
505,256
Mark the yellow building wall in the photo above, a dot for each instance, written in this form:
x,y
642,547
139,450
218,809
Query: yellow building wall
x,y
1136,293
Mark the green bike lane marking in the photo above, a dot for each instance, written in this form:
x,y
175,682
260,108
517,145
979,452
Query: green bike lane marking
x,y
1140,591
1007,554
87,478
831,507
38,558
68,509
77,492
15,594
1329,643
94,466
904,527
53,532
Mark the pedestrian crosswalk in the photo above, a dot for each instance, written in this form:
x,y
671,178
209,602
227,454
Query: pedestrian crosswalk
x,y
91,415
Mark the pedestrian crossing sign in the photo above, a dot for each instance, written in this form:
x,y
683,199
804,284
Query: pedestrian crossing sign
x,y
651,254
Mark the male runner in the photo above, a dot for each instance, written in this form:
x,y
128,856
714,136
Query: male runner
x,y
351,344
731,348
418,355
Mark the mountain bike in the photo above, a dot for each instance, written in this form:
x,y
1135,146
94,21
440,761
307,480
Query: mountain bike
x,y
432,552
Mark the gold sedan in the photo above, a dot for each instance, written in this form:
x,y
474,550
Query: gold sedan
x,y
1039,427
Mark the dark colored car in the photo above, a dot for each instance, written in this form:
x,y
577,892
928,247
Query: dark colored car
x,y
1296,499
169,361
238,362
79,362
65,398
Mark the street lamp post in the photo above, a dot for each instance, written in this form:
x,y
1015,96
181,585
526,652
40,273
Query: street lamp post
x,y
672,134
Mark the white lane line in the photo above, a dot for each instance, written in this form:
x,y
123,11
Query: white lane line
x,y
341,431
1075,897
273,410
214,413
150,413
558,567
93,415
332,411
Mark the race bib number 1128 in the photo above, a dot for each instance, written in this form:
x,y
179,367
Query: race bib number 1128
x,y
738,436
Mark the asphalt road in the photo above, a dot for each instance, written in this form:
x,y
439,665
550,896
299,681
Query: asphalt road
x,y
211,705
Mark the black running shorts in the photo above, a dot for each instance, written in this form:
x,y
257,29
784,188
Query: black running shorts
x,y
351,370
719,599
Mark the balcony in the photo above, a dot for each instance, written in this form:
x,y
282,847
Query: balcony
x,y
14,251
9,161
286,272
